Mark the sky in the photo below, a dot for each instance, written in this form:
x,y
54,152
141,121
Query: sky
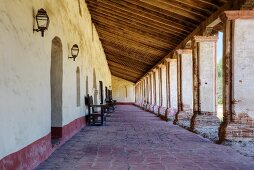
x,y
220,46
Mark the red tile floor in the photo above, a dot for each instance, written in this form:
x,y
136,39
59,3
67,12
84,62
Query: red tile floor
x,y
135,139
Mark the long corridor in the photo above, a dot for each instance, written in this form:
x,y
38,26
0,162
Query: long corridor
x,y
135,139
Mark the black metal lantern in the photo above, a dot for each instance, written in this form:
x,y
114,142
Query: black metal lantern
x,y
42,21
74,51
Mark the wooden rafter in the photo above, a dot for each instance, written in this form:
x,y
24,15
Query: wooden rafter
x,y
136,35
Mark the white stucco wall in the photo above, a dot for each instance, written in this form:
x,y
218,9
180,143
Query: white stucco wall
x,y
173,84
207,68
123,90
157,87
25,99
164,93
152,88
243,67
187,81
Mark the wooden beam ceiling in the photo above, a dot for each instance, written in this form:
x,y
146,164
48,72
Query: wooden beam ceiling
x,y
137,34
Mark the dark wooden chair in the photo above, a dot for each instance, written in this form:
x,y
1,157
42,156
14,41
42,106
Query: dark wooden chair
x,y
94,118
111,105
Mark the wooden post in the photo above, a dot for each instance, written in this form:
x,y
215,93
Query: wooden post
x,y
179,86
167,62
154,86
227,77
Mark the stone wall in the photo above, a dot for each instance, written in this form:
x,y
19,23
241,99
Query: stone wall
x,y
25,93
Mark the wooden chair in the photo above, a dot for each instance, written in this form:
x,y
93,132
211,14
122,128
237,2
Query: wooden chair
x,y
110,105
95,118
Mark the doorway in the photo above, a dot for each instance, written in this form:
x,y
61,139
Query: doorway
x,y
56,81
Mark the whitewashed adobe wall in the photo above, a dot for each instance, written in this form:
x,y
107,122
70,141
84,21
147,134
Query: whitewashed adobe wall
x,y
173,84
243,60
25,98
207,66
187,80
123,90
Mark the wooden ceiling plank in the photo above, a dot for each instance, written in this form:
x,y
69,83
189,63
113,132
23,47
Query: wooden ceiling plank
x,y
133,62
127,27
159,8
131,52
187,8
128,64
108,13
199,29
199,5
127,69
133,35
131,79
121,52
100,18
134,59
214,3
134,47
116,36
124,72
160,12
133,10
115,63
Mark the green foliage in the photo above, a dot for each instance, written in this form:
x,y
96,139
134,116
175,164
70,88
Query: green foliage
x,y
219,82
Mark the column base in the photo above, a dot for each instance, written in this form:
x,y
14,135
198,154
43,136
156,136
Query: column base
x,y
156,110
148,106
170,114
240,129
151,108
183,119
206,124
162,112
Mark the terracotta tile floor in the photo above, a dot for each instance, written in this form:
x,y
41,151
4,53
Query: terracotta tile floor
x,y
135,139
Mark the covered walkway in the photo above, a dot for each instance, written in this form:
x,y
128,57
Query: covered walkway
x,y
135,139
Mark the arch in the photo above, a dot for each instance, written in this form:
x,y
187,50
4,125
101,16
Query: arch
x,y
78,86
56,83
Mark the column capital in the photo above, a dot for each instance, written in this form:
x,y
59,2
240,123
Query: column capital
x,y
160,65
170,59
233,15
154,69
184,51
205,38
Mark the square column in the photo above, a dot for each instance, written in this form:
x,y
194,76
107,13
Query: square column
x,y
163,93
185,91
154,107
147,105
238,77
156,91
171,89
204,86
152,91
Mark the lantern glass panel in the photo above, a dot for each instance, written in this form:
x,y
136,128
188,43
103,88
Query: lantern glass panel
x,y
42,22
74,50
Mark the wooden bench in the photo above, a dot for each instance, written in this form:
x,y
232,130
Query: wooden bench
x,y
94,118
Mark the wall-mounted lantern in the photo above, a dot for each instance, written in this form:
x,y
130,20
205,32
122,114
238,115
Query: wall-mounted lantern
x,y
42,21
74,51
